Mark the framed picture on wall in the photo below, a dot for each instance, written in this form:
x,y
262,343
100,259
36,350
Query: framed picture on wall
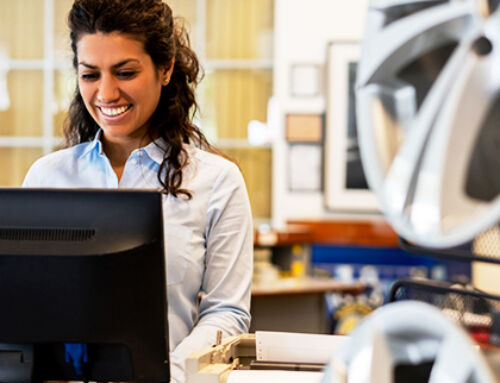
x,y
346,188
304,167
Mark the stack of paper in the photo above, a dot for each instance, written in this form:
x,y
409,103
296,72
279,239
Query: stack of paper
x,y
288,347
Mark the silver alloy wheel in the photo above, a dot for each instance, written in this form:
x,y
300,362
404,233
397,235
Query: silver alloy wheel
x,y
428,111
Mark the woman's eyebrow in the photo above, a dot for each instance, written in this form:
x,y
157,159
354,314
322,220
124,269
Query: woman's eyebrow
x,y
121,63
87,65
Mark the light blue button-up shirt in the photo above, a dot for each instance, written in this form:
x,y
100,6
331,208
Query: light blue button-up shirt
x,y
208,239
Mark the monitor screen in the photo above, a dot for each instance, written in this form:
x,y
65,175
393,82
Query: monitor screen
x,y
82,267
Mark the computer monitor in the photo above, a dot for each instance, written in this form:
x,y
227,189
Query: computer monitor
x,y
82,266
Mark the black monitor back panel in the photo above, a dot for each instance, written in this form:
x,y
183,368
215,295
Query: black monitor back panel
x,y
85,267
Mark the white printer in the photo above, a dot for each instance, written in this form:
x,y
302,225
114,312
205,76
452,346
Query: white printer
x,y
264,356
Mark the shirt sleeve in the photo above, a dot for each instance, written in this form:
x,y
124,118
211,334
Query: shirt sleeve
x,y
31,179
225,295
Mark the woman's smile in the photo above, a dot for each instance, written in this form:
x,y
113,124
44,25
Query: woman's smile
x,y
114,113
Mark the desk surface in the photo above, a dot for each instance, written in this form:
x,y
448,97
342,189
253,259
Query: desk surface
x,y
294,286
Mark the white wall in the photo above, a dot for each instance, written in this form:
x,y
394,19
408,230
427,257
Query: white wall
x,y
303,30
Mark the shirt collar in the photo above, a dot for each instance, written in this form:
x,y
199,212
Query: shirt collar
x,y
155,150
159,149
95,144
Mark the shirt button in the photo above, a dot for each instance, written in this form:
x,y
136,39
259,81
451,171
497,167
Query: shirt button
x,y
133,161
139,153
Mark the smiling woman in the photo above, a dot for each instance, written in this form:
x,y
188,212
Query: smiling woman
x,y
145,32
130,126
121,91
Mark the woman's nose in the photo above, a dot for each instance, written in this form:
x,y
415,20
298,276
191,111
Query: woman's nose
x,y
108,90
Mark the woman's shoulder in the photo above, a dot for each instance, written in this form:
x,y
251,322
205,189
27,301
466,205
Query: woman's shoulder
x,y
214,169
63,156
214,161
62,160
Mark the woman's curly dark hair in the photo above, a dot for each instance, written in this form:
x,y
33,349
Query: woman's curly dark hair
x,y
151,22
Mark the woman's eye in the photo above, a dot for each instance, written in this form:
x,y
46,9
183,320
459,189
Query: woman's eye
x,y
89,76
126,74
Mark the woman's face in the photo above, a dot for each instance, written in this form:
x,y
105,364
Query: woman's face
x,y
119,84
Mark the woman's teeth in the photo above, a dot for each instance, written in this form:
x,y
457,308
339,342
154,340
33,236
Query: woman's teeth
x,y
112,112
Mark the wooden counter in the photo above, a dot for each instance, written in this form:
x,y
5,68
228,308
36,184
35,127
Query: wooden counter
x,y
343,232
300,286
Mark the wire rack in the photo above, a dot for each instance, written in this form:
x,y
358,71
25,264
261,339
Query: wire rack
x,y
478,312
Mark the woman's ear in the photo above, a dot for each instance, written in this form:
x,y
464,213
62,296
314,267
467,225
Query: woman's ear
x,y
166,72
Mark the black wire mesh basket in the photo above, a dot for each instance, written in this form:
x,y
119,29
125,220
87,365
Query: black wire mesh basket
x,y
477,311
